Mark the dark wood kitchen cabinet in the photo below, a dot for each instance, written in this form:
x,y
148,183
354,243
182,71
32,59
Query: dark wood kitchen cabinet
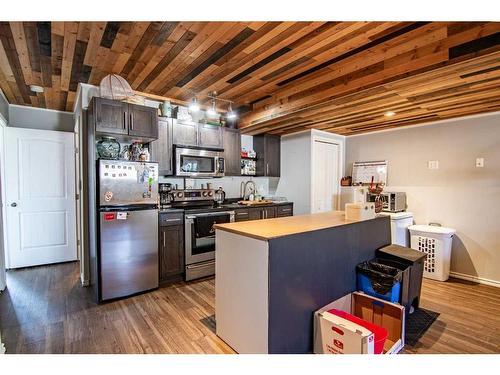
x,y
193,134
232,151
171,247
143,121
185,133
258,213
113,117
161,149
110,116
241,214
210,136
268,149
284,210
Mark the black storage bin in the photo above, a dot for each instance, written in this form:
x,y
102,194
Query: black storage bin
x,y
413,261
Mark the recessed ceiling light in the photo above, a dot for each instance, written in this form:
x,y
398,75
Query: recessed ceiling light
x,y
36,88
389,114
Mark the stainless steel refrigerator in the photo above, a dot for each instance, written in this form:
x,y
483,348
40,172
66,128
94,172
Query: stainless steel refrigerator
x,y
127,254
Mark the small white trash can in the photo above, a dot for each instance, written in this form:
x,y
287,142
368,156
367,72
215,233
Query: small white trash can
x,y
436,243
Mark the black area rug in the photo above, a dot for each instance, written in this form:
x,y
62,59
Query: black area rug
x,y
417,324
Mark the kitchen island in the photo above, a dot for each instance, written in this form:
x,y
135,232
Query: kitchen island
x,y
271,275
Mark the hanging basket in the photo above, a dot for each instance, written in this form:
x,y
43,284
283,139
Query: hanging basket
x,y
115,87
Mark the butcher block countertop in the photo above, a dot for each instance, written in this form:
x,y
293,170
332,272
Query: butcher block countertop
x,y
284,226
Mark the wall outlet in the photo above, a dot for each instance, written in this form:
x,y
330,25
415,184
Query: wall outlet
x,y
433,164
479,162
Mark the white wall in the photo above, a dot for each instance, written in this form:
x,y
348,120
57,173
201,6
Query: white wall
x,y
39,118
297,167
295,179
458,194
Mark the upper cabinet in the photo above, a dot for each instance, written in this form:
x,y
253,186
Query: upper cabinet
x,y
185,133
119,118
210,136
268,149
232,151
110,116
192,134
143,121
161,149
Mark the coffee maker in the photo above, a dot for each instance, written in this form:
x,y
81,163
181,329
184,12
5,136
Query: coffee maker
x,y
166,195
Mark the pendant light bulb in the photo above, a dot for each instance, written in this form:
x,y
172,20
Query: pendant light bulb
x,y
230,113
194,106
212,111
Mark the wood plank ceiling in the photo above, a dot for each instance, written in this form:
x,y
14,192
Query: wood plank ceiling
x,y
284,76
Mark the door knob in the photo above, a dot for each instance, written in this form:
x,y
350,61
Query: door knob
x,y
14,204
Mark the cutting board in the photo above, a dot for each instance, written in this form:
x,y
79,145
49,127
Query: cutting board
x,y
254,203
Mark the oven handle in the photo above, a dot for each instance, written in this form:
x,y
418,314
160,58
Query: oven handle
x,y
230,213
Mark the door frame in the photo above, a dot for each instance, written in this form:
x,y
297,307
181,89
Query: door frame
x,y
325,137
3,237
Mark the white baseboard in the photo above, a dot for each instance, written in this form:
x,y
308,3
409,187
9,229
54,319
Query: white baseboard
x,y
475,279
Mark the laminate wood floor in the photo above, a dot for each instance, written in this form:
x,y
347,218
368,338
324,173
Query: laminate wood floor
x,y
45,310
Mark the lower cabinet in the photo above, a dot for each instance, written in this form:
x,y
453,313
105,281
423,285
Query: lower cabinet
x,y
284,210
267,212
171,247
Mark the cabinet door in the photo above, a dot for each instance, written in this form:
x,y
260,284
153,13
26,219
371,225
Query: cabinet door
x,y
232,152
110,116
171,255
161,149
269,212
255,213
143,121
268,149
210,136
284,210
273,155
242,214
185,133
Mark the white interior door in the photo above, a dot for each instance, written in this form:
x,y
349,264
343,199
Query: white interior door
x,y
325,176
40,197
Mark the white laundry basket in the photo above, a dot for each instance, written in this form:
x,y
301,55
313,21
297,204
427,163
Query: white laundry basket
x,y
436,243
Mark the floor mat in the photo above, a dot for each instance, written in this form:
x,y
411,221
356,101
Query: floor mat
x,y
417,324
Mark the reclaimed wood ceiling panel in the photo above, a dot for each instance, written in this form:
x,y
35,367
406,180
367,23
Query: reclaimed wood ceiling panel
x,y
284,76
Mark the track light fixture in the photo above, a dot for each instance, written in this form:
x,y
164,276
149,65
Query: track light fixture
x,y
212,111
194,106
230,113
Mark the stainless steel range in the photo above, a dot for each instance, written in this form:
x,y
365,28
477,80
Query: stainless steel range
x,y
200,215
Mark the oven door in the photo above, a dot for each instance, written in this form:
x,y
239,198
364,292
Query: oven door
x,y
200,234
198,163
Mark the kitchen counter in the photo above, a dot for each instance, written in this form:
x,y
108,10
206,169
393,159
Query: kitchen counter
x,y
278,227
272,274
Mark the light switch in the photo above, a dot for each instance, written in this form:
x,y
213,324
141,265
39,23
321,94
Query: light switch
x,y
479,162
433,164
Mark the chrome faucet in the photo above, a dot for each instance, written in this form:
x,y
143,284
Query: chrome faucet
x,y
245,193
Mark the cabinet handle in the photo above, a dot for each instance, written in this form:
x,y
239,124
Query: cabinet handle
x,y
131,121
164,240
286,209
267,168
171,219
124,120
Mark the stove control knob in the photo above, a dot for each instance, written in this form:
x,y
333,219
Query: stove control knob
x,y
204,193
179,195
210,193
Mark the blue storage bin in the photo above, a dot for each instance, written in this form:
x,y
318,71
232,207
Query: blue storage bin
x,y
365,285
379,280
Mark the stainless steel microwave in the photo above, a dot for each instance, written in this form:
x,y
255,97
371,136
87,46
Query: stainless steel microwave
x,y
192,162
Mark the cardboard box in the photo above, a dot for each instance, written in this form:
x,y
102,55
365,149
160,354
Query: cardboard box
x,y
340,336
360,211
335,335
